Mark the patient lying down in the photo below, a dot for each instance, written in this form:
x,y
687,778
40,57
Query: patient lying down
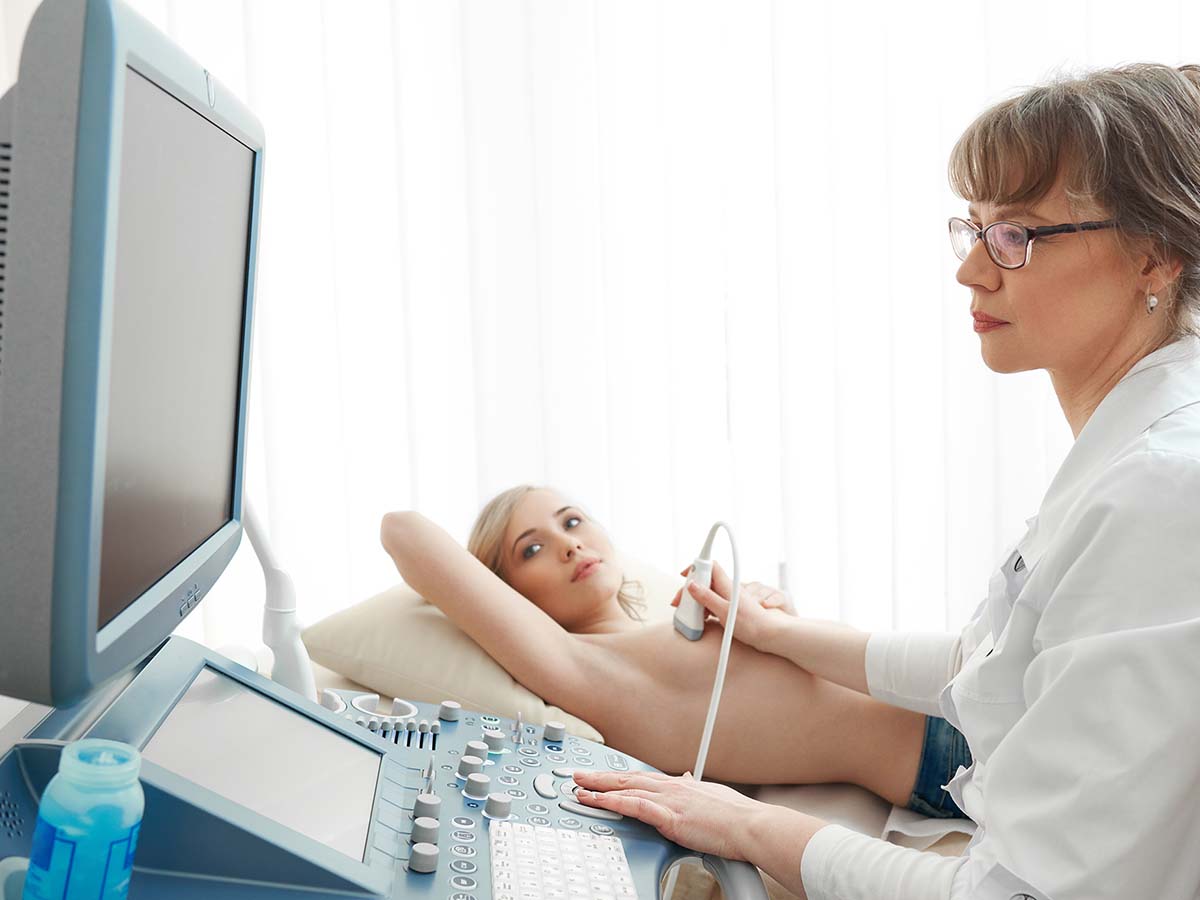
x,y
540,591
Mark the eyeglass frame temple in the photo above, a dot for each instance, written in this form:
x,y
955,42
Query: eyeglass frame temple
x,y
1032,234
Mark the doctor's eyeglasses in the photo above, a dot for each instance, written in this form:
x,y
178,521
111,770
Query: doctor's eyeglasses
x,y
1008,244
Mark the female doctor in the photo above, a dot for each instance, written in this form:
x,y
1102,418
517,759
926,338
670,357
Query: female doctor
x,y
1076,684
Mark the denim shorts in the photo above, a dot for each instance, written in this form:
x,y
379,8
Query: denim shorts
x,y
944,750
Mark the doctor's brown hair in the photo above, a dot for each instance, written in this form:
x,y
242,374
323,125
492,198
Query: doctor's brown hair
x,y
1128,141
486,544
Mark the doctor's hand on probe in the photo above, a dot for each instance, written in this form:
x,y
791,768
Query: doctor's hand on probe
x,y
832,650
708,818
762,614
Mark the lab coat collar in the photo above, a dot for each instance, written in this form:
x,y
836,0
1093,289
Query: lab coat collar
x,y
1157,385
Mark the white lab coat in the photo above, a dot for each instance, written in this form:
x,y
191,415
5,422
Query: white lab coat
x,y
1076,682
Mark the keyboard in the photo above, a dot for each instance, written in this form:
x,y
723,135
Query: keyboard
x,y
532,862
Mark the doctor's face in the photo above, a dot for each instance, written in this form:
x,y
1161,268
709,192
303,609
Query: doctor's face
x,y
1075,301
559,558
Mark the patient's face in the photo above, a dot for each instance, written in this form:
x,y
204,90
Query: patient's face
x,y
555,555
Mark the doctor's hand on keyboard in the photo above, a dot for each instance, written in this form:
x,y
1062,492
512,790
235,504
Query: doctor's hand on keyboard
x,y
763,611
706,817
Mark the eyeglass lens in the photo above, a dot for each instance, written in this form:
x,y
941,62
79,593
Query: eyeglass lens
x,y
1005,243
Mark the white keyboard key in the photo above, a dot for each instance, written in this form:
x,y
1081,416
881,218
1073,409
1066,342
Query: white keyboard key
x,y
543,863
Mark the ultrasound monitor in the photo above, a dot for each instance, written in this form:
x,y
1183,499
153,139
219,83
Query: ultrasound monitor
x,y
126,305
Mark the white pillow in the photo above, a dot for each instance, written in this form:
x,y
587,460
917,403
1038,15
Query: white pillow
x,y
399,645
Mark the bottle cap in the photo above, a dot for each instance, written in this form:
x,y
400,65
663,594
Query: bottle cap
x,y
96,763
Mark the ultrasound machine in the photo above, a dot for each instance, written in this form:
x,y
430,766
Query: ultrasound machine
x,y
130,187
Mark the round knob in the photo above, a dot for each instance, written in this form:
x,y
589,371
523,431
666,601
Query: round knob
x,y
498,806
428,806
469,765
476,748
425,831
554,732
373,723
424,858
494,740
478,786
423,727
449,710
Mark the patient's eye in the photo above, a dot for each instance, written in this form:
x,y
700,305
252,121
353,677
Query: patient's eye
x,y
529,551
572,521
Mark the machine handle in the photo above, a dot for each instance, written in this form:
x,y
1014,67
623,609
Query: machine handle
x,y
738,880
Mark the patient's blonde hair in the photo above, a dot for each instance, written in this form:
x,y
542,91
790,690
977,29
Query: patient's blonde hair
x,y
486,544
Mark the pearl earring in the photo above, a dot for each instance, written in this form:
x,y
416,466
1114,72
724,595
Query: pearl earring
x,y
1151,302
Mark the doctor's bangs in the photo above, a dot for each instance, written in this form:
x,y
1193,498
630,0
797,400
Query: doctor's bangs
x,y
1012,153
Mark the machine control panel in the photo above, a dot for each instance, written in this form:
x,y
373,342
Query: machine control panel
x,y
451,776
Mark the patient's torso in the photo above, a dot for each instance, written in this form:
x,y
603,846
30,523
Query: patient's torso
x,y
651,695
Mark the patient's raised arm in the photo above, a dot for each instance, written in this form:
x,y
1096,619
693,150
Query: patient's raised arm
x,y
535,649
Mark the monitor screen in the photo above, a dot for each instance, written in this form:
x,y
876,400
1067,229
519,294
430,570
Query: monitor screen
x,y
178,311
260,754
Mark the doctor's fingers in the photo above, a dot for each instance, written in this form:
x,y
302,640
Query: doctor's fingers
x,y
616,781
720,583
710,600
641,805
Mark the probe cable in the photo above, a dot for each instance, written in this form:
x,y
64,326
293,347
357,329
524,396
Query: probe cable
x,y
726,641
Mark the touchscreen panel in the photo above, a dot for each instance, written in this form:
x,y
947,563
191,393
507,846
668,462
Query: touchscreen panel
x,y
264,756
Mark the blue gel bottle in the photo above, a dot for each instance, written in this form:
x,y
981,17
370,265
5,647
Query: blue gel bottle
x,y
87,824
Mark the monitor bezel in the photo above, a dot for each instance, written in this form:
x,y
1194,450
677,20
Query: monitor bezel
x,y
117,39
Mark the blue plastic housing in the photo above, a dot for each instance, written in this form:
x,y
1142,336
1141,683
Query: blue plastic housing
x,y
115,38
